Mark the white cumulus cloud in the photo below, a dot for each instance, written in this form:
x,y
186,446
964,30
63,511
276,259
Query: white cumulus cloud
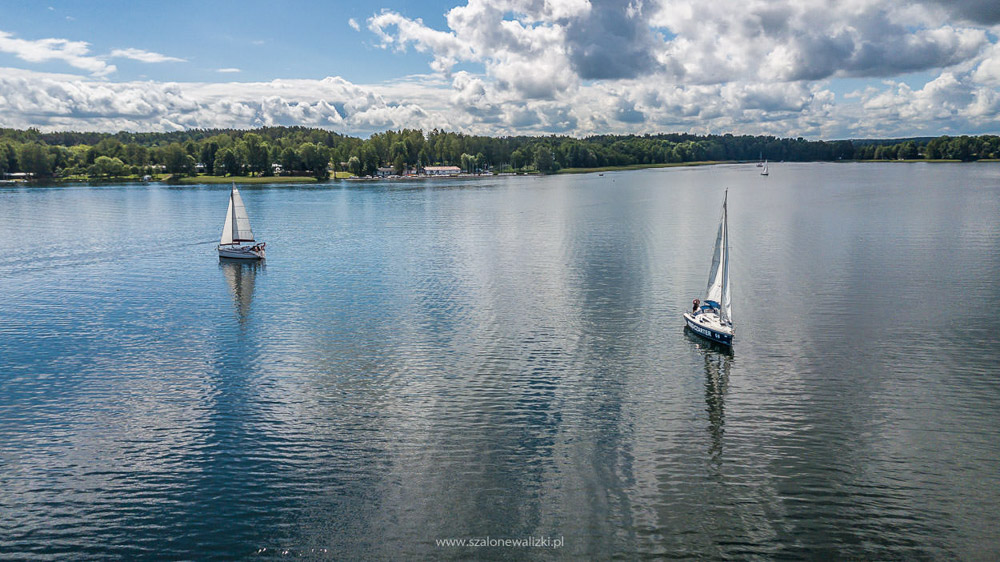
x,y
588,67
74,53
60,102
143,56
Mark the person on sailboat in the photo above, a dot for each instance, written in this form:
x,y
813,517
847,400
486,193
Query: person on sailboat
x,y
694,309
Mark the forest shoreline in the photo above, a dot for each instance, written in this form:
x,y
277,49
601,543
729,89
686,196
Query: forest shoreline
x,y
249,180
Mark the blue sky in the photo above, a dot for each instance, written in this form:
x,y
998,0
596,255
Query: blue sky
x,y
812,68
265,40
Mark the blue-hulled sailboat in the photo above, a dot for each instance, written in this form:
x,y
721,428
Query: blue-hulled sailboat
x,y
713,318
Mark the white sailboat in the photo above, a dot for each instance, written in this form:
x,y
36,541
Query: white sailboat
x,y
713,319
237,231
764,171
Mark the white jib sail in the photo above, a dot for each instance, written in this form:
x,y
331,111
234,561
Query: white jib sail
x,y
714,290
227,229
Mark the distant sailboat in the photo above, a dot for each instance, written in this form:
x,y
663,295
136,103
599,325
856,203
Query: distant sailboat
x,y
760,160
764,171
237,231
713,319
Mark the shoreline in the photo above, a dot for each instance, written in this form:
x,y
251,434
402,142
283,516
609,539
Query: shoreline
x,y
215,180
646,166
717,162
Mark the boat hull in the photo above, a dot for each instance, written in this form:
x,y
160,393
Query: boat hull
x,y
708,333
241,253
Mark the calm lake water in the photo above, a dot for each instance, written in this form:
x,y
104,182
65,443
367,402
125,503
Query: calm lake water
x,y
506,358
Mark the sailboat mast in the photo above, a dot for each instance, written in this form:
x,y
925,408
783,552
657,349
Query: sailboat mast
x,y
232,207
726,303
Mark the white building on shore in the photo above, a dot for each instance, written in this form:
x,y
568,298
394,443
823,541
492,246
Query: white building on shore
x,y
442,170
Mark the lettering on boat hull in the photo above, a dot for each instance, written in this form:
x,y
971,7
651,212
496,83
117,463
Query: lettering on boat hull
x,y
709,334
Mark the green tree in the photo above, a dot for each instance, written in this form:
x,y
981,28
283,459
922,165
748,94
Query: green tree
x,y
107,167
78,155
354,165
424,158
468,162
136,155
35,159
369,159
315,158
8,158
176,160
290,160
207,156
109,146
226,162
400,155
255,153
544,159
961,148
519,158
61,157
907,150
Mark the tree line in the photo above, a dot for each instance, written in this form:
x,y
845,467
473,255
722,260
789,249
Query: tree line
x,y
964,148
307,151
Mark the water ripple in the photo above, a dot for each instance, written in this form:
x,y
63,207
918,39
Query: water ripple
x,y
504,359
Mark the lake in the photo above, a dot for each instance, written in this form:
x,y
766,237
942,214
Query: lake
x,y
503,358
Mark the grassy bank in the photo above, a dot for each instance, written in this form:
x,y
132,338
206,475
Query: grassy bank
x,y
86,178
640,167
187,180
190,180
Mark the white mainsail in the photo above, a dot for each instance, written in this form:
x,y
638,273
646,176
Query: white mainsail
x,y
237,228
718,275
